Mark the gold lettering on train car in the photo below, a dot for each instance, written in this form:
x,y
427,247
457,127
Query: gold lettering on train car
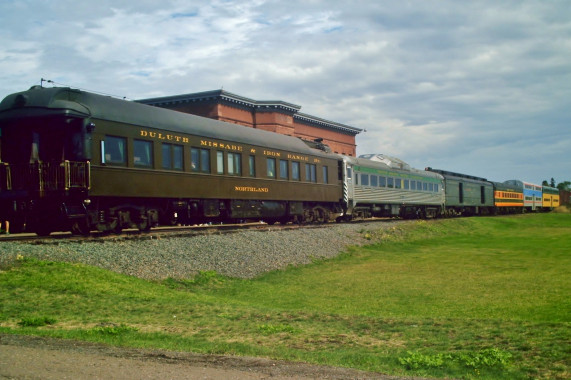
x,y
272,154
252,189
221,145
317,160
252,150
297,157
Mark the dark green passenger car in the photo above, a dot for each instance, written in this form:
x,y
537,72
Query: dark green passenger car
x,y
73,160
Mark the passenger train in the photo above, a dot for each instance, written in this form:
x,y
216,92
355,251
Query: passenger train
x,y
78,161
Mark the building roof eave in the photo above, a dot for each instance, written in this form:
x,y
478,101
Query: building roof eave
x,y
309,119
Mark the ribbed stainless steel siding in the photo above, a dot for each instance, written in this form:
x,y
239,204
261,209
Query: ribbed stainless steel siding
x,y
372,195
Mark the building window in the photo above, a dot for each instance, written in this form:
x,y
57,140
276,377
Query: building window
x,y
295,171
143,153
325,175
220,162
172,156
271,167
252,162
234,164
284,173
114,150
310,172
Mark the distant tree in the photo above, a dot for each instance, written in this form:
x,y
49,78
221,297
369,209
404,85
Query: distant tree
x,y
544,183
552,184
564,186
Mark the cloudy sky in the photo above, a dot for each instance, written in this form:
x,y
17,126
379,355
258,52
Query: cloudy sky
x,y
480,87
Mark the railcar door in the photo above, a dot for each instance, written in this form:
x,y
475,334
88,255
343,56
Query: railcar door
x,y
348,187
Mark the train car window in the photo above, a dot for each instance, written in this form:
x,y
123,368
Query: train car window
x,y
194,159
172,156
413,185
234,163
325,174
271,167
348,173
406,184
398,183
382,181
252,165
200,160
425,186
143,153
167,156
220,162
311,172
431,187
365,179
436,188
205,160
295,171
177,157
374,181
114,150
390,182
284,172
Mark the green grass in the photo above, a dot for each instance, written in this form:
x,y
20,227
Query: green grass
x,y
464,298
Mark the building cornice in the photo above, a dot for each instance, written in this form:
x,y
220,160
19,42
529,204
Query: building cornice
x,y
312,120
225,97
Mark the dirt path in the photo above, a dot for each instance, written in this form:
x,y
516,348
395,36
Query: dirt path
x,y
24,357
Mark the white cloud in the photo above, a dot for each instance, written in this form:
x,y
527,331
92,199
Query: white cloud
x,y
467,85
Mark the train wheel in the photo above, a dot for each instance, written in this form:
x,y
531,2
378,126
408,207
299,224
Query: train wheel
x,y
43,230
319,215
144,225
80,227
117,229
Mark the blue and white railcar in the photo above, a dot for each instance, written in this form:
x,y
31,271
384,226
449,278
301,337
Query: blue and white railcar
x,y
532,194
380,185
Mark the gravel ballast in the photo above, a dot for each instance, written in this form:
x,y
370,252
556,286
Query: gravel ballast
x,y
243,254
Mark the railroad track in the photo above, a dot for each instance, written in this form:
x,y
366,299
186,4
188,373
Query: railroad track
x,y
165,231
157,232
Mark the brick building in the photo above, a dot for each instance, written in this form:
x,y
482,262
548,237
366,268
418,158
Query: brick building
x,y
275,116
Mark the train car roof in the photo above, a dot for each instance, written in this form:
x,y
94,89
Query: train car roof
x,y
517,182
365,161
465,177
40,101
507,186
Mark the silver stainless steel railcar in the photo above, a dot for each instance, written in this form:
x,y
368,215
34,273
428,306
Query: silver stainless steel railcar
x,y
380,185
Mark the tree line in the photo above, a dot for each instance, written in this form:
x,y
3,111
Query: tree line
x,y
565,185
